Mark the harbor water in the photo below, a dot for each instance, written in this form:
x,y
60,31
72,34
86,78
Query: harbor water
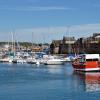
x,y
47,82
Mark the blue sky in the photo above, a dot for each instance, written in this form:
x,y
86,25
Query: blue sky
x,y
48,19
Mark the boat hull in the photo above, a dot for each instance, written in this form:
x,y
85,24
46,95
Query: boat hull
x,y
87,67
53,63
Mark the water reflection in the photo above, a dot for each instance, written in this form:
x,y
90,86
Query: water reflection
x,y
54,69
91,81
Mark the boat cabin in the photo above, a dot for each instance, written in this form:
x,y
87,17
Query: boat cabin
x,y
88,57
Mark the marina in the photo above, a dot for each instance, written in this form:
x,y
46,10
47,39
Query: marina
x,y
49,50
37,58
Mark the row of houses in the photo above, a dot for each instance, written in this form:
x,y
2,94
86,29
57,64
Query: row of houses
x,y
5,47
71,45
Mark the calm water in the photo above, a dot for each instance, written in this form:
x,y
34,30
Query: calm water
x,y
60,82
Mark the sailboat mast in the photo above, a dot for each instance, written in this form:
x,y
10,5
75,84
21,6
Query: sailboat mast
x,y
12,41
32,40
69,45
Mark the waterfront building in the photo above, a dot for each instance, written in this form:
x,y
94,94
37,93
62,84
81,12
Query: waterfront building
x,y
54,47
93,43
67,45
64,46
88,45
79,46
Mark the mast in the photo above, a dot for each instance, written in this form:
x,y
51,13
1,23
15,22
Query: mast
x,y
32,39
13,43
12,35
69,45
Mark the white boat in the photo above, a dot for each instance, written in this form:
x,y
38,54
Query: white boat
x,y
67,59
6,59
31,60
19,60
53,61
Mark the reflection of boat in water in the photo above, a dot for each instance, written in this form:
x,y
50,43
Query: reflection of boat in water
x,y
54,69
91,81
87,62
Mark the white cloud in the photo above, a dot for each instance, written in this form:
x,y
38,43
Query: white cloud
x,y
46,8
85,30
37,8
46,34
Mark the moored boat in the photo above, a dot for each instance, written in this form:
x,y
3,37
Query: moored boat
x,y
31,60
87,62
53,61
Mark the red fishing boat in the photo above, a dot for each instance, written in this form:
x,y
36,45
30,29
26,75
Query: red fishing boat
x,y
87,62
